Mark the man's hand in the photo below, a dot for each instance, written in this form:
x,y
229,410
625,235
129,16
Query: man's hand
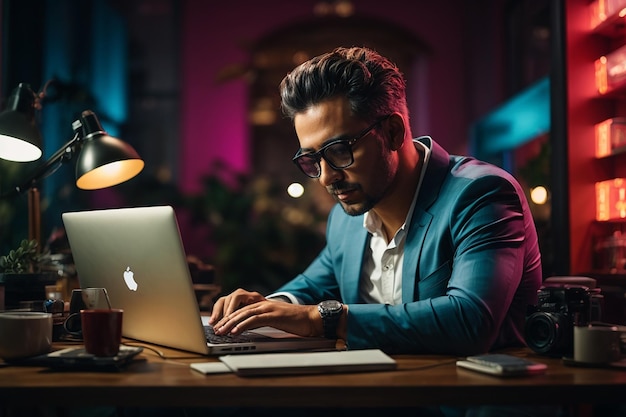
x,y
244,310
227,304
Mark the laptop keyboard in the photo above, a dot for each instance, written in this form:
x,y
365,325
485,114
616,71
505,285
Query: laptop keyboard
x,y
245,337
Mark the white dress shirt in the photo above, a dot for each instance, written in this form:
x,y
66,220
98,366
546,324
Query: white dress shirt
x,y
381,275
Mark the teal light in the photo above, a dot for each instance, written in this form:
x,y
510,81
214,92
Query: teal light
x,y
520,119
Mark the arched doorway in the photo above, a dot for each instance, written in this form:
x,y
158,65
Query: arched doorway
x,y
273,140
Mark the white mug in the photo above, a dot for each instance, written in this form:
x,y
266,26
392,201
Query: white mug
x,y
24,334
597,344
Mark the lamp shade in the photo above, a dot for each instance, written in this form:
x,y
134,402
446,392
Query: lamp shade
x,y
103,161
20,139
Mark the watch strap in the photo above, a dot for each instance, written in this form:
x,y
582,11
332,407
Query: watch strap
x,y
330,319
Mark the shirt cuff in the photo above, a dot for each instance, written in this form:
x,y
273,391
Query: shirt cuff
x,y
284,296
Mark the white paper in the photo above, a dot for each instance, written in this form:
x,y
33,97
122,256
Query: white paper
x,y
210,367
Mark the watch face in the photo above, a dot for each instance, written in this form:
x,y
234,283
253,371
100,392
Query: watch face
x,y
331,305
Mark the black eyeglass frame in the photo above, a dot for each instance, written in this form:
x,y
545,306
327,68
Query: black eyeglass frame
x,y
317,156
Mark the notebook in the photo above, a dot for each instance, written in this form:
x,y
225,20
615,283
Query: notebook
x,y
137,254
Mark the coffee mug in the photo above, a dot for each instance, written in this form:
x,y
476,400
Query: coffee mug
x,y
102,331
24,334
597,344
84,299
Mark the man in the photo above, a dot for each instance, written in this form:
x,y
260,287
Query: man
x,y
426,251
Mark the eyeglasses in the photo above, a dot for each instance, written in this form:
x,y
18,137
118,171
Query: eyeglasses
x,y
338,154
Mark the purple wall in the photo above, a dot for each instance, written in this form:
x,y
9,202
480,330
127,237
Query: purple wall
x,y
214,116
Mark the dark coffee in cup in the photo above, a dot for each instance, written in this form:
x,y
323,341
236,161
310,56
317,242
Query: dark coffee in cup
x,y
102,331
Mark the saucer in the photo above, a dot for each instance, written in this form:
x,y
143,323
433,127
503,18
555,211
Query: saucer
x,y
620,364
75,358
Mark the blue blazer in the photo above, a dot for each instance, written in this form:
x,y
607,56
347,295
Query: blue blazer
x,y
471,265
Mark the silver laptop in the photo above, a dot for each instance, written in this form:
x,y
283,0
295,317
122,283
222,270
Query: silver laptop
x,y
137,254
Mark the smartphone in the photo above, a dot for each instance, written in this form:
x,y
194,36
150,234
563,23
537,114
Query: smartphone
x,y
502,364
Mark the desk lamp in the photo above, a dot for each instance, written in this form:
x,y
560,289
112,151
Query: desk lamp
x,y
103,161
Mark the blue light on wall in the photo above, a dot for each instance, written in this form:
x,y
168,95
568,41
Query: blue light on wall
x,y
108,76
88,57
522,118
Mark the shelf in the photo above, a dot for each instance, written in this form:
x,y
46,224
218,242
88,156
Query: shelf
x,y
610,222
613,27
617,92
614,153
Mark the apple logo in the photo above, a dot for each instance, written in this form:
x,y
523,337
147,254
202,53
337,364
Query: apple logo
x,y
129,279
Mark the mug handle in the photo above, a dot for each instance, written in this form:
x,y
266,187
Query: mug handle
x,y
72,325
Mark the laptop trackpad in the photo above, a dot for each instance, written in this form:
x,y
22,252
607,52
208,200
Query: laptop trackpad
x,y
274,333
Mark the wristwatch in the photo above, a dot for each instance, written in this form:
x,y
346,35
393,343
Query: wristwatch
x,y
331,311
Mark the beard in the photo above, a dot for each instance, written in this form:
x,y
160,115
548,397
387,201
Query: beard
x,y
361,208
357,208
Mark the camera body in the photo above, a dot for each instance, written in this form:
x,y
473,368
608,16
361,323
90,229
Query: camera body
x,y
549,327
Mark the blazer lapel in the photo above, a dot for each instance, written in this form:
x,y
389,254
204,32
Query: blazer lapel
x,y
436,172
353,263
412,249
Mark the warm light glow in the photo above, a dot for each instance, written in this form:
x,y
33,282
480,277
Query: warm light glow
x,y
539,195
611,199
300,57
603,142
344,8
598,14
18,150
295,190
605,9
110,174
263,112
610,70
610,136
601,77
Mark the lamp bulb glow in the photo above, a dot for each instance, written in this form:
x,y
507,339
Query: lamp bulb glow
x,y
539,195
18,150
295,190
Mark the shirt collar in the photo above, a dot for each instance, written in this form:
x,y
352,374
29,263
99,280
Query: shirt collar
x,y
371,221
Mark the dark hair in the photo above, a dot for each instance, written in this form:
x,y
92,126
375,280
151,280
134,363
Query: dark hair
x,y
373,84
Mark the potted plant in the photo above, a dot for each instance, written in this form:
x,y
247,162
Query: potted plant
x,y
21,277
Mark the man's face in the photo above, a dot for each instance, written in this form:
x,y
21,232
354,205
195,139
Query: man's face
x,y
362,185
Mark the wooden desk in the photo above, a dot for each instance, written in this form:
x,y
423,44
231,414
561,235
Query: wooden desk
x,y
420,380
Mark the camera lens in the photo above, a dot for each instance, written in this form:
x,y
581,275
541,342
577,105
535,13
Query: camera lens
x,y
545,332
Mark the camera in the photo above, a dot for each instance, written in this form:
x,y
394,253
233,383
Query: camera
x,y
549,327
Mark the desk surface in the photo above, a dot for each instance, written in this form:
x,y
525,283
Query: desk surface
x,y
419,380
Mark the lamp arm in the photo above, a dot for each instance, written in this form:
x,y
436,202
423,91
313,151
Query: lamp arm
x,y
64,154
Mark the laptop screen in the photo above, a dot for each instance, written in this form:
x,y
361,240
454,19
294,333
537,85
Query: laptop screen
x,y
138,256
